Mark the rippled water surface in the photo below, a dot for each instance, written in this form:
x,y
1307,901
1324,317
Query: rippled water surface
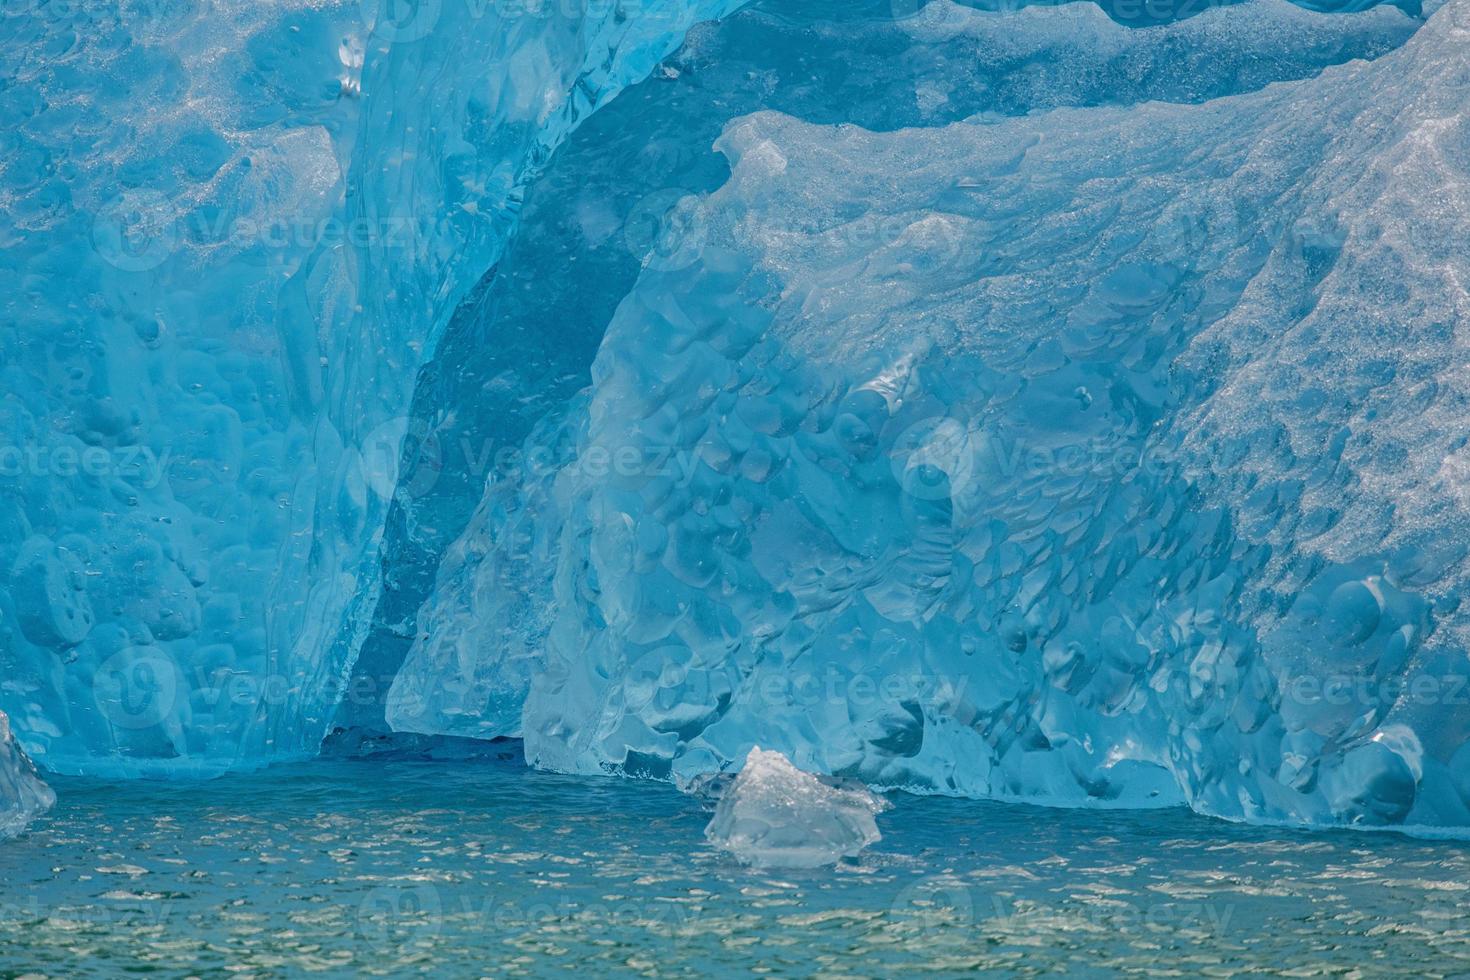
x,y
486,869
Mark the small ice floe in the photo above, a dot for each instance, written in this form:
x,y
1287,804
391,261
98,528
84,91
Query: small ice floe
x,y
776,816
23,796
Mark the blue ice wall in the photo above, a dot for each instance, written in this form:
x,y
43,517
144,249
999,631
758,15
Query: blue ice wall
x,y
523,345
1222,340
1044,404
231,241
1098,456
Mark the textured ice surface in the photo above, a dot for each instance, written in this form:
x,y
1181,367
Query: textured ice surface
x,y
23,796
1120,464
164,453
776,816
483,632
1023,405
529,337
231,236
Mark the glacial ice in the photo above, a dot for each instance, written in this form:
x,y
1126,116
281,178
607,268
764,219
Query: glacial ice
x,y
775,816
230,244
1117,467
525,347
1020,405
23,796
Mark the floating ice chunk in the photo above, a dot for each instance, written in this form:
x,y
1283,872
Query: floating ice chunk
x,y
776,816
23,796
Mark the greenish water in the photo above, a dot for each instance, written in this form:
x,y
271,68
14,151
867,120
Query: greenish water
x,y
466,869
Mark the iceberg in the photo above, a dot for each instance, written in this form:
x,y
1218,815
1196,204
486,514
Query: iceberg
x,y
1027,404
212,326
775,816
464,621
1122,471
23,796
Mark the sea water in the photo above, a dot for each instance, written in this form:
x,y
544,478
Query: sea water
x,y
485,868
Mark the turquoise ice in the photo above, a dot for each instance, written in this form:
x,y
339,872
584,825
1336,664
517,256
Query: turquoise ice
x,y
1055,404
482,628
1103,456
229,247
